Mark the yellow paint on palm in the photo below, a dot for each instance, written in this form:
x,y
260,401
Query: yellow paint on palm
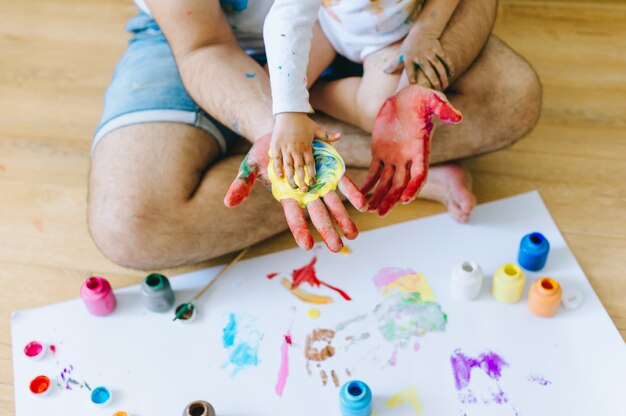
x,y
329,169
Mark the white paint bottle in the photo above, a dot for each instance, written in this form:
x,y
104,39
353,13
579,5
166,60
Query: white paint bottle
x,y
467,279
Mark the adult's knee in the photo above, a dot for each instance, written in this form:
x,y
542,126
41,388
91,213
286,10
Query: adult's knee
x,y
520,100
122,230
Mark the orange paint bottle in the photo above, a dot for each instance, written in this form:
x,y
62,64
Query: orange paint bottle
x,y
544,297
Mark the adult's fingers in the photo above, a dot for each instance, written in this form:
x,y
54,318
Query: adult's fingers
x,y
376,168
443,109
383,187
441,72
400,181
239,190
419,171
352,193
297,223
324,225
430,73
289,170
298,163
341,216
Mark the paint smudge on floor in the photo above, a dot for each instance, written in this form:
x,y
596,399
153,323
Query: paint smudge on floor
x,y
38,224
407,396
66,380
271,275
283,372
408,310
537,379
241,342
307,274
319,348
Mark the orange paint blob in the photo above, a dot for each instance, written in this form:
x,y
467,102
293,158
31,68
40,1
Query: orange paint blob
x,y
39,385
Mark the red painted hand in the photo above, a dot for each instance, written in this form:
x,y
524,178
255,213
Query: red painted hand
x,y
401,145
255,165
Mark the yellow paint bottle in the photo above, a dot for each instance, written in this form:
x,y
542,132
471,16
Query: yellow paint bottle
x,y
544,297
508,283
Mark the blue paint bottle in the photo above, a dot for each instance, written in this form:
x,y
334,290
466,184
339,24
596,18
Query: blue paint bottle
x,y
533,251
355,399
158,295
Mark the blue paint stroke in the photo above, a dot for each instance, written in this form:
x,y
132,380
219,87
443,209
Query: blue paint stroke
x,y
237,6
242,344
230,331
250,74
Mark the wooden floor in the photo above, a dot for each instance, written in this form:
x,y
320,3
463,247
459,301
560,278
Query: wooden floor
x,y
57,57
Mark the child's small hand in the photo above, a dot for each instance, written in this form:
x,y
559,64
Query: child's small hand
x,y
424,54
291,150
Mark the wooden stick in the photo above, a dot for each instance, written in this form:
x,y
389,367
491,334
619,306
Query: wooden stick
x,y
220,274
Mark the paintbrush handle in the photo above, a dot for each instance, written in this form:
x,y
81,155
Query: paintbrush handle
x,y
220,274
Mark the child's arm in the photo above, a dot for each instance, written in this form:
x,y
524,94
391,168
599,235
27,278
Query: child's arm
x,y
421,50
288,31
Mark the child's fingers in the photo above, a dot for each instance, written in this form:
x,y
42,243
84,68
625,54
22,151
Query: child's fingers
x,y
299,167
395,65
430,73
310,167
441,71
288,167
412,69
446,61
327,136
277,160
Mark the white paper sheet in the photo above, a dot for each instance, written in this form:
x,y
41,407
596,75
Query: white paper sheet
x,y
155,367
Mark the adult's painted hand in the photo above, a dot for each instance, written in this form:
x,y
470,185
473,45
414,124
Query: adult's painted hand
x,y
255,165
401,145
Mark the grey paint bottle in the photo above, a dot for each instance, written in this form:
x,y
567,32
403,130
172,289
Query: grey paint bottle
x,y
199,408
157,293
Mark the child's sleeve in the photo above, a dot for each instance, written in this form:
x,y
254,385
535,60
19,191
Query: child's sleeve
x,y
287,32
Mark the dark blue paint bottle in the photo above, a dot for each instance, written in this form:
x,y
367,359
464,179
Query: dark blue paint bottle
x,y
355,399
533,251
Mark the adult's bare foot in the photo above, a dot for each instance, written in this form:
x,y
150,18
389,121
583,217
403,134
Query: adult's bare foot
x,y
451,185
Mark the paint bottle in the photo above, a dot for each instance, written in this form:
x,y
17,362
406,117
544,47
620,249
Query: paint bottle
x,y
355,399
101,396
98,296
35,350
41,386
533,251
158,295
199,408
467,279
508,283
544,297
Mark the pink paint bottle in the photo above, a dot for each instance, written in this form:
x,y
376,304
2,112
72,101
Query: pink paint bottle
x,y
98,296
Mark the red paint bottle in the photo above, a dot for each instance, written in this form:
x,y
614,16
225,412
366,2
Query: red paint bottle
x,y
98,296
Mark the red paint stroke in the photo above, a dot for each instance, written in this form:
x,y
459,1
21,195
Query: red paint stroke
x,y
306,274
288,339
272,275
53,348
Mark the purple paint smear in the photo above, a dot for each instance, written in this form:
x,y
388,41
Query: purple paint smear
x,y
389,275
283,372
542,381
67,382
462,365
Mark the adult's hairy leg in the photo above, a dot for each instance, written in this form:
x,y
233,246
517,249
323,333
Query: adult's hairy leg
x,y
156,196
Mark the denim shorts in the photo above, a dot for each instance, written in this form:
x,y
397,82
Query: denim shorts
x,y
146,86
